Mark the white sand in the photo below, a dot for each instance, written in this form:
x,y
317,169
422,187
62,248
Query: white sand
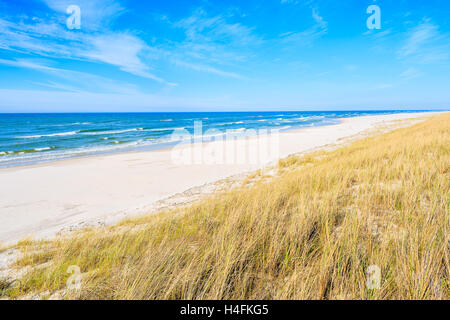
x,y
41,200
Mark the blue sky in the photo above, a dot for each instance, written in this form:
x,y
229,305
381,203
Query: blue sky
x,y
205,55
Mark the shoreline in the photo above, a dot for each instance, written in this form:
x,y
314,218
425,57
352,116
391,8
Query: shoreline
x,y
45,199
165,145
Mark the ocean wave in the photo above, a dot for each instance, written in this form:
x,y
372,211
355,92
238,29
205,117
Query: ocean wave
x,y
230,123
26,151
60,134
31,156
67,124
310,118
99,133
236,130
43,149
165,129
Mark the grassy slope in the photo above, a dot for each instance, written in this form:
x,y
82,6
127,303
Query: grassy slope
x,y
311,233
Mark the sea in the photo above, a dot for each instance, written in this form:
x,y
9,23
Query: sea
x,y
35,138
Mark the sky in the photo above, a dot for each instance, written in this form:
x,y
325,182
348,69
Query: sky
x,y
211,55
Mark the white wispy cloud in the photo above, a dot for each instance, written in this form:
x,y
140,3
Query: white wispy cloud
x,y
425,44
199,27
118,49
420,36
51,38
77,78
403,78
206,68
410,73
379,35
308,36
212,43
58,86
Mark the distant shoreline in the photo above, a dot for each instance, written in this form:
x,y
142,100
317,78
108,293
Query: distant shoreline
x,y
61,137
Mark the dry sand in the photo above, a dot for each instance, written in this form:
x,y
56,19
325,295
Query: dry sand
x,y
42,200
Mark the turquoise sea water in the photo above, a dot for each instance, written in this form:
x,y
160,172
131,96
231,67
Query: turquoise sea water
x,y
33,138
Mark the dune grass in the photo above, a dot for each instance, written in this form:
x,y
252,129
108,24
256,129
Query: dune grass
x,y
314,232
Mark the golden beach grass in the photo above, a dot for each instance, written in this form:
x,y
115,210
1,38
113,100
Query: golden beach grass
x,y
313,232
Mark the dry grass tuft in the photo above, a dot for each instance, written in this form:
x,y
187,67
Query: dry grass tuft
x,y
311,233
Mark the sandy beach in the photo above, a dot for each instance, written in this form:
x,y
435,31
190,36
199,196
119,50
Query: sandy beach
x,y
41,200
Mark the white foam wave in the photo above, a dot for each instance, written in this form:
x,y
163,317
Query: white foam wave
x,y
99,133
60,134
230,123
165,129
236,130
68,124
